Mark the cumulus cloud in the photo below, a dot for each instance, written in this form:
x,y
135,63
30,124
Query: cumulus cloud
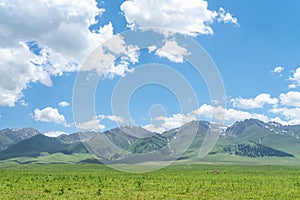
x,y
154,129
290,99
279,120
175,121
257,102
55,134
103,59
295,79
226,17
205,112
16,73
289,109
114,118
44,38
96,125
23,103
152,48
63,104
291,115
230,115
92,125
172,51
292,86
49,114
278,69
233,115
187,17
55,37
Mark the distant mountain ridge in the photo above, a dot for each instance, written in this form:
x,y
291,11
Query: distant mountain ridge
x,y
250,138
10,137
40,144
274,127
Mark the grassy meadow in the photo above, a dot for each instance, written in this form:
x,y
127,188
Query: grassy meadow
x,y
180,181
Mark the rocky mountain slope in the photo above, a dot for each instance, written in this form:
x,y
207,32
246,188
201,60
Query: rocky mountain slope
x,y
249,138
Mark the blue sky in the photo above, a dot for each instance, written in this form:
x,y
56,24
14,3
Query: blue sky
x,y
254,44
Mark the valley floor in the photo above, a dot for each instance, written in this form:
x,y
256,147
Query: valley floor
x,y
180,181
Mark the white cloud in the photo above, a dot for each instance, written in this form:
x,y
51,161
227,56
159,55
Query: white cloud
x,y
295,79
115,118
118,70
55,134
231,115
187,17
292,86
152,48
112,118
278,69
49,114
60,32
172,51
175,121
103,58
226,17
95,123
63,104
291,115
257,102
205,112
23,103
279,120
154,129
16,73
92,125
290,99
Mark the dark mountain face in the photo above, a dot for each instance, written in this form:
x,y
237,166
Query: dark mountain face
x,y
10,137
77,137
293,130
258,126
38,144
254,138
255,150
200,127
123,137
238,127
147,145
117,143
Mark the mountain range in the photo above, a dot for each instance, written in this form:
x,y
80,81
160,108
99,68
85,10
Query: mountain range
x,y
248,141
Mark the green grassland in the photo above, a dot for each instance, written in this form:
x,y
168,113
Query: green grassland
x,y
180,181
